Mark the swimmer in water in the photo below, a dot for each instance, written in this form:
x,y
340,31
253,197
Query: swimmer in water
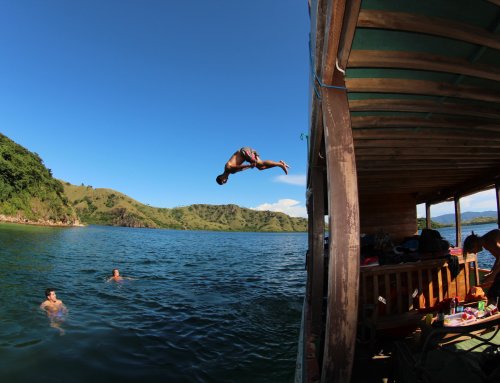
x,y
54,308
117,277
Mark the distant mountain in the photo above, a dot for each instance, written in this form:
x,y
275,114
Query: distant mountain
x,y
109,207
28,192
449,219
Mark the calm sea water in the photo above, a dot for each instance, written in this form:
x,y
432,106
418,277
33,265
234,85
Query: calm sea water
x,y
484,258
205,307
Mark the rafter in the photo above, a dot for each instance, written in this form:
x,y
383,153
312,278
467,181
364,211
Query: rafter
x,y
436,26
423,106
421,87
420,61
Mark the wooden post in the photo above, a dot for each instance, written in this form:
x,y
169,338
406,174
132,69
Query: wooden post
x,y
318,239
497,189
310,241
428,215
343,209
458,222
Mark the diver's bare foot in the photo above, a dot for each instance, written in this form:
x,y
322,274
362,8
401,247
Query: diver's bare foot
x,y
284,166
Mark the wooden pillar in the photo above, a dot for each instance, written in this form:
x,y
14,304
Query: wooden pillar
x,y
343,209
318,239
458,222
428,215
497,190
310,241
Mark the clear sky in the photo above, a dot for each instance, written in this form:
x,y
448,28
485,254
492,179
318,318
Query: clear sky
x,y
151,97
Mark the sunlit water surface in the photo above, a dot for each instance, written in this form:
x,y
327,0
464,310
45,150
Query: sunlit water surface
x,y
205,306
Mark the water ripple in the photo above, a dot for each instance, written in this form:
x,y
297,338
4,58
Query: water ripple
x,y
204,307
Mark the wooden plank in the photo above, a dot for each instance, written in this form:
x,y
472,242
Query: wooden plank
x,y
398,292
444,153
420,288
387,294
348,28
333,28
421,87
449,292
467,279
423,143
486,126
410,290
458,222
428,25
420,132
497,193
430,285
318,230
423,106
341,320
421,61
440,284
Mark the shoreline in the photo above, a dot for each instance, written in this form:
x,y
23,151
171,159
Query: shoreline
x,y
39,222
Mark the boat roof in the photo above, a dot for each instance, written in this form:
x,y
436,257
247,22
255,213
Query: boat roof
x,y
423,85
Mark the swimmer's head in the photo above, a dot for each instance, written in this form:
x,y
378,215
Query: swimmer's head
x,y
115,273
50,294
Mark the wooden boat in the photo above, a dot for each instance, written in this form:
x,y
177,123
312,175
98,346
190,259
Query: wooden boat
x,y
405,110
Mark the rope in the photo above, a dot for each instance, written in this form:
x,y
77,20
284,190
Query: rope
x,y
316,78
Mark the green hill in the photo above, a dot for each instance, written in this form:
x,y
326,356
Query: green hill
x,y
109,207
28,192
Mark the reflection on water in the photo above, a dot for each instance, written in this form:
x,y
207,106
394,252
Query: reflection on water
x,y
206,307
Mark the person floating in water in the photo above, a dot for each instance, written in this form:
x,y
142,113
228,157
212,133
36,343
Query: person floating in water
x,y
491,242
235,164
54,308
115,276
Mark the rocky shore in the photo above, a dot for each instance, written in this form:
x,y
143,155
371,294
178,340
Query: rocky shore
x,y
39,222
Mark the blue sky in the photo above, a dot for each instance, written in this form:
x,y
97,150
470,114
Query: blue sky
x,y
151,98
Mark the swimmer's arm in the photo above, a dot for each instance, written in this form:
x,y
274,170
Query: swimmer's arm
x,y
43,305
130,278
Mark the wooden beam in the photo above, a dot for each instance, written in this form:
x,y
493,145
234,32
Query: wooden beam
x,y
497,192
348,28
410,153
458,222
318,17
317,253
343,208
419,122
420,142
421,61
333,31
423,106
393,133
421,87
428,219
411,22
481,182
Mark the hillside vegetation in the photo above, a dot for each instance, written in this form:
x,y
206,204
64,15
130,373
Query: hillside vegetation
x,y
28,192
109,207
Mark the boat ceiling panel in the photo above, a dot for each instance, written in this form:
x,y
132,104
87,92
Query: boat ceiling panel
x,y
423,83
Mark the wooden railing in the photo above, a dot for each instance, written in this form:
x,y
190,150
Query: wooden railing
x,y
397,295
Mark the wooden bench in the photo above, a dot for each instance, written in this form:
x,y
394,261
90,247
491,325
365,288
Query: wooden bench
x,y
393,296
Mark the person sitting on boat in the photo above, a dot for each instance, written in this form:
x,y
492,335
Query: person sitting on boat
x,y
491,242
117,277
235,164
54,308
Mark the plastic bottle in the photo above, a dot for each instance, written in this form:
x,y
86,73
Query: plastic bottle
x,y
452,306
